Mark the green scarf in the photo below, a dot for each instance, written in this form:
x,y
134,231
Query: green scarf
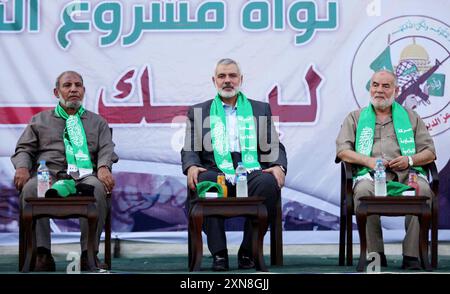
x,y
366,129
247,136
75,143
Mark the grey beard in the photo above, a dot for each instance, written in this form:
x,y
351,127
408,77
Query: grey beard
x,y
228,95
70,104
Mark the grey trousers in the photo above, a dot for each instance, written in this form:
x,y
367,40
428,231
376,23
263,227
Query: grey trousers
x,y
43,224
374,233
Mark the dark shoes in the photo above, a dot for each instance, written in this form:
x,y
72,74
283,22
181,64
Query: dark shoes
x,y
411,263
245,262
220,262
383,260
44,263
84,264
245,259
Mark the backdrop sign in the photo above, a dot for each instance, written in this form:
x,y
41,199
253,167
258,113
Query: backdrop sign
x,y
144,62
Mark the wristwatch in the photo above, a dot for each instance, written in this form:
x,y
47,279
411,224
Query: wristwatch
x,y
410,161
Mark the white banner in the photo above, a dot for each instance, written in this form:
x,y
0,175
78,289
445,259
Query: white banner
x,y
145,62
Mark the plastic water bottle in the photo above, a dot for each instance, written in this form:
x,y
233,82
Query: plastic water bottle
x,y
43,179
241,181
380,178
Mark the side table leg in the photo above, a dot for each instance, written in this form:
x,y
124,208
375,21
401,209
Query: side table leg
x,y
92,224
259,225
424,221
28,225
361,219
196,219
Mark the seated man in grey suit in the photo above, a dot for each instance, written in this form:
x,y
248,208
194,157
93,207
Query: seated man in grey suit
x,y
72,141
222,132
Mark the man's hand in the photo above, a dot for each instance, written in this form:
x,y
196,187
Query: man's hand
x,y
105,176
277,173
372,162
192,176
21,177
399,163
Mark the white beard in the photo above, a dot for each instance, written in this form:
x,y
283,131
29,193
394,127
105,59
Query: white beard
x,y
383,104
228,94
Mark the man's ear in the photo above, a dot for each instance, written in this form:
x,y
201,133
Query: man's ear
x,y
213,80
397,88
55,92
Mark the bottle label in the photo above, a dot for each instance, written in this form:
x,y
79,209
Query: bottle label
x,y
43,183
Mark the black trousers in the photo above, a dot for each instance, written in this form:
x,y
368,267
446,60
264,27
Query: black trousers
x,y
259,184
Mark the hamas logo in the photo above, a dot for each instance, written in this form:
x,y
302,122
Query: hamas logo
x,y
416,49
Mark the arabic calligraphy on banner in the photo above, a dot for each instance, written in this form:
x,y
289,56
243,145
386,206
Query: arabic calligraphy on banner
x,y
135,82
132,81
108,18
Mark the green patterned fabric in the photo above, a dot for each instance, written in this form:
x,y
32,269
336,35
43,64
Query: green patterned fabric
x,y
77,152
365,132
247,136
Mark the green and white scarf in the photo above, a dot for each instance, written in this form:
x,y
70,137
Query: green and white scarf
x,y
246,132
77,152
366,129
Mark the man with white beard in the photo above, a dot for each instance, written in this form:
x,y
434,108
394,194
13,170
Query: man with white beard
x,y
398,136
77,146
222,132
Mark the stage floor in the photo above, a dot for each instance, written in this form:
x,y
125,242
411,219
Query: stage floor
x,y
157,258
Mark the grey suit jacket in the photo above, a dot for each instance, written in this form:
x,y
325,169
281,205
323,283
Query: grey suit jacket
x,y
197,146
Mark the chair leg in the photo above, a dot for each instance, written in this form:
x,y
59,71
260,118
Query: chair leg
x,y
21,241
434,240
342,227
349,244
108,240
189,246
